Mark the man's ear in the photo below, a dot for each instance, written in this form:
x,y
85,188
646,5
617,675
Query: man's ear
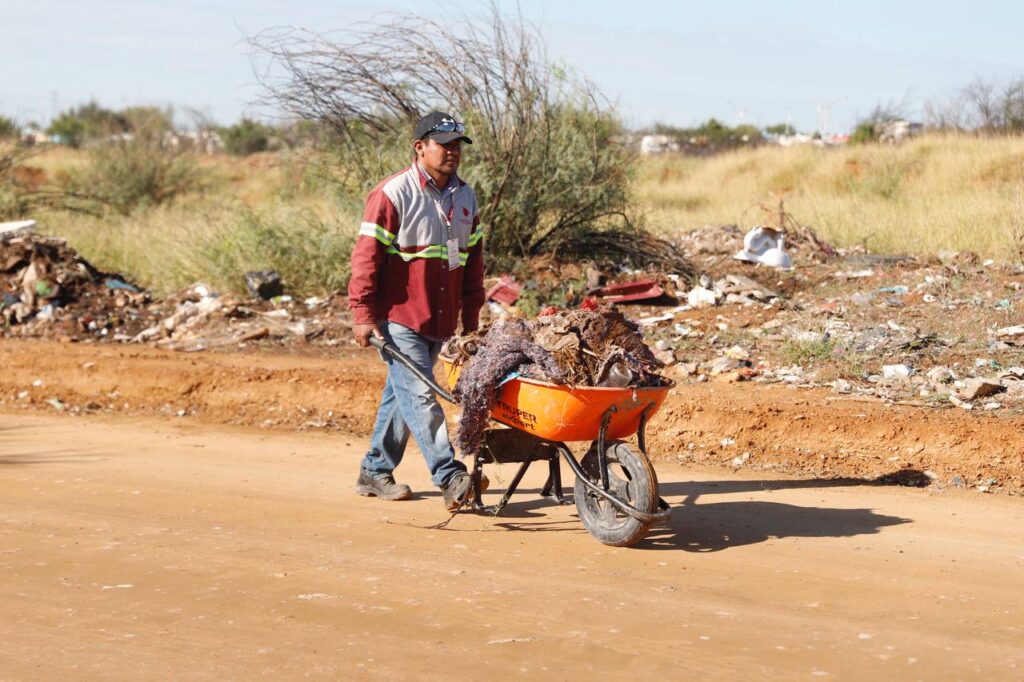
x,y
418,146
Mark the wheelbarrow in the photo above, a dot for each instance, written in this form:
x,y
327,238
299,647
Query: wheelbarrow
x,y
616,488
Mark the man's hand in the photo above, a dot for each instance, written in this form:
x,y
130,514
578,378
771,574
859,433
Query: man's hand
x,y
363,332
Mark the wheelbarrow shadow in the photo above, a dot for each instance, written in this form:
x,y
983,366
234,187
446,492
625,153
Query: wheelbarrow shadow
x,y
716,526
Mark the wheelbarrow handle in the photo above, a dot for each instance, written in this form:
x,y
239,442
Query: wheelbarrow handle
x,y
384,347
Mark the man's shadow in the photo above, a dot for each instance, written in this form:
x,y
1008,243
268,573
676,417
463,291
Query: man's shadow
x,y
714,526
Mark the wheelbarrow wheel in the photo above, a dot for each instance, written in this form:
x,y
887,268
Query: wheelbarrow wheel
x,y
631,479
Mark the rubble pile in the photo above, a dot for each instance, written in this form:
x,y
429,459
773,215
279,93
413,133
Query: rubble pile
x,y
581,348
49,290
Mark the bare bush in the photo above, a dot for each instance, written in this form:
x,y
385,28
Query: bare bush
x,y
983,106
545,161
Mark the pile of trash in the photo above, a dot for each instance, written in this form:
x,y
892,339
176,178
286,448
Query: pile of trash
x,y
587,347
48,289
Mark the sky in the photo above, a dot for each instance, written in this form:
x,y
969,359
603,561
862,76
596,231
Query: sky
x,y
812,62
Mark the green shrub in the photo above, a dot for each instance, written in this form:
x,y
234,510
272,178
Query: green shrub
x,y
806,352
247,137
311,254
87,122
9,129
136,170
864,133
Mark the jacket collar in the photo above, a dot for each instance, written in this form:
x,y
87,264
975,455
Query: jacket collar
x,y
425,179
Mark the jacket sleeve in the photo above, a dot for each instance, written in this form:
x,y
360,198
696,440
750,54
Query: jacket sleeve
x,y
473,279
376,234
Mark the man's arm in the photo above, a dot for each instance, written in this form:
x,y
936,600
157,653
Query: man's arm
x,y
473,279
376,233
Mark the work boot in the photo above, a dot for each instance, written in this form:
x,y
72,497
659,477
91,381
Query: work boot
x,y
381,485
457,491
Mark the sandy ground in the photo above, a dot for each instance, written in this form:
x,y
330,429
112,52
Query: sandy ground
x,y
155,548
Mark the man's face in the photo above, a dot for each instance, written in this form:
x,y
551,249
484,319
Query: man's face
x,y
440,158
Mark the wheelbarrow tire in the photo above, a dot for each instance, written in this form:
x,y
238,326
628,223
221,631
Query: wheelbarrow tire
x,y
632,479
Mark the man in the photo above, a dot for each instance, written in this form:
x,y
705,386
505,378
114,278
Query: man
x,y
417,264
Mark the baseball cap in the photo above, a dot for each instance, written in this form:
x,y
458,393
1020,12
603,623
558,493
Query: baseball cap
x,y
441,127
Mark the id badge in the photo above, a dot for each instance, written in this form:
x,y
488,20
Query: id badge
x,y
453,253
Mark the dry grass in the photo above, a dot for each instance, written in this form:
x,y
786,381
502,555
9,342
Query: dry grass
x,y
265,211
930,194
282,211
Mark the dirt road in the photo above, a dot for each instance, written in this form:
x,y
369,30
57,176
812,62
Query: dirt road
x,y
151,549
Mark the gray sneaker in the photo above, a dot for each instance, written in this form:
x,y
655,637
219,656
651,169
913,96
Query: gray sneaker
x,y
382,486
457,491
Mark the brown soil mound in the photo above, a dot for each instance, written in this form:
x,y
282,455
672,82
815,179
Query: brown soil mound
x,y
737,426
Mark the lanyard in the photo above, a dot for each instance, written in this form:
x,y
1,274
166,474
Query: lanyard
x,y
446,218
452,245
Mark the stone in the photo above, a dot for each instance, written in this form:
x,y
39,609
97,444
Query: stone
x,y
722,365
940,375
737,353
665,357
1012,335
897,371
980,388
842,386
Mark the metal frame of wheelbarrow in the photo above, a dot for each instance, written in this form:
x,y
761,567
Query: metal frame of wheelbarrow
x,y
553,486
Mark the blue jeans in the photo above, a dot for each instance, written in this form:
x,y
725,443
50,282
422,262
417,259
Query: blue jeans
x,y
409,406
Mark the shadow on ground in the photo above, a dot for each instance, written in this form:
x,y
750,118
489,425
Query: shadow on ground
x,y
715,526
697,526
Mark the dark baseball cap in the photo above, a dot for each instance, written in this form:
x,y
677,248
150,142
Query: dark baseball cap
x,y
441,127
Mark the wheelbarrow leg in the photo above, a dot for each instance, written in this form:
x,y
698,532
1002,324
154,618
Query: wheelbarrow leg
x,y
514,484
553,486
475,477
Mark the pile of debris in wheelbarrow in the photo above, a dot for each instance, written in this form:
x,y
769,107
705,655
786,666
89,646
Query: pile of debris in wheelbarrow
x,y
593,346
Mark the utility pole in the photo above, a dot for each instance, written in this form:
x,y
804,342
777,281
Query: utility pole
x,y
823,112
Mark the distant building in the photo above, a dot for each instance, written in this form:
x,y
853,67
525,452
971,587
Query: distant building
x,y
34,137
897,131
201,141
652,145
798,139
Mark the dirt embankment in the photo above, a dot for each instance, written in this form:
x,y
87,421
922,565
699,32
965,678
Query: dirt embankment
x,y
741,426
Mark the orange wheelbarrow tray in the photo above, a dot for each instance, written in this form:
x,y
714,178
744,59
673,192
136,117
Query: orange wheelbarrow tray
x,y
548,415
565,413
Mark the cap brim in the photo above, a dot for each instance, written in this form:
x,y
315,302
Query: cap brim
x,y
445,138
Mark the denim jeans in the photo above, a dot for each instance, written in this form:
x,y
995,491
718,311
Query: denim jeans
x,y
409,406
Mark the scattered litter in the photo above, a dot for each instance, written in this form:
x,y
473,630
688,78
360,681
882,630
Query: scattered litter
x,y
700,297
265,284
766,246
506,291
639,290
17,227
